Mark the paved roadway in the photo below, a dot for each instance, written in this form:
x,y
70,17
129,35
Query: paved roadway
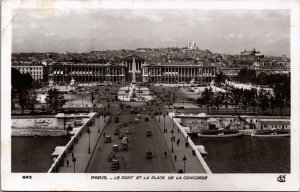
x,y
135,157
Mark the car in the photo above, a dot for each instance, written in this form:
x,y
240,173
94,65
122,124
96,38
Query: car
x,y
117,132
149,154
110,156
128,132
115,164
148,133
107,139
115,148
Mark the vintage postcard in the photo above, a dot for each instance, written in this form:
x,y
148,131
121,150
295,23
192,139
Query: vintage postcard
x,y
150,95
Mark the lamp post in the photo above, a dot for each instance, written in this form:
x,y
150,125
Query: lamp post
x,y
164,122
184,160
172,139
159,114
74,162
89,132
173,122
99,121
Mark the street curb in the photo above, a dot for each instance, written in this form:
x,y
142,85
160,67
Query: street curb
x,y
96,144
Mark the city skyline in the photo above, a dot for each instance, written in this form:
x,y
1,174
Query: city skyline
x,y
78,31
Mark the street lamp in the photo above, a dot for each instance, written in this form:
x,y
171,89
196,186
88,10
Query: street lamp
x,y
89,132
164,122
99,122
74,162
184,160
159,114
172,139
173,122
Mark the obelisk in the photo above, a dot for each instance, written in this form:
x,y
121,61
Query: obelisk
x,y
133,70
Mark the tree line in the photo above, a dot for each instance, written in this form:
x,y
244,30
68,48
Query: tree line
x,y
244,99
21,89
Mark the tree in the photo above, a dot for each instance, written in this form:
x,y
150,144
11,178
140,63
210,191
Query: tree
x,y
220,78
205,98
246,75
20,83
218,100
32,101
279,97
253,99
244,101
272,103
23,98
236,98
55,100
226,101
26,80
263,101
247,99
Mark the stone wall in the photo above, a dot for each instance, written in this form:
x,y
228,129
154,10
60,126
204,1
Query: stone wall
x,y
36,127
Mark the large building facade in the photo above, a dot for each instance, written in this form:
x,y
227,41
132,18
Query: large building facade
x,y
177,73
36,70
86,72
132,68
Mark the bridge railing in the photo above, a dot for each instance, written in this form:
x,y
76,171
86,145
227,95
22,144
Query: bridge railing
x,y
69,147
191,143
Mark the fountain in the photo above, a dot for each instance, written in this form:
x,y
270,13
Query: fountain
x,y
129,93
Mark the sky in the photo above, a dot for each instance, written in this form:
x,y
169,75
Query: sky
x,y
85,30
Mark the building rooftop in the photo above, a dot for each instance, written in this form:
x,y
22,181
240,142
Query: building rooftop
x,y
25,64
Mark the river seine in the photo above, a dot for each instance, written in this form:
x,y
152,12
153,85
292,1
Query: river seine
x,y
33,154
247,154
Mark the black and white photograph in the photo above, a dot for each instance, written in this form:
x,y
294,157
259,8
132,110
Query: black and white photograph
x,y
141,94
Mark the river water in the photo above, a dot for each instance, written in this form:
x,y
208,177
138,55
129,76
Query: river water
x,y
33,154
244,154
247,154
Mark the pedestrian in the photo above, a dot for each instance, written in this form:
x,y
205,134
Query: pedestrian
x,y
104,134
165,154
186,144
178,141
175,157
68,163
